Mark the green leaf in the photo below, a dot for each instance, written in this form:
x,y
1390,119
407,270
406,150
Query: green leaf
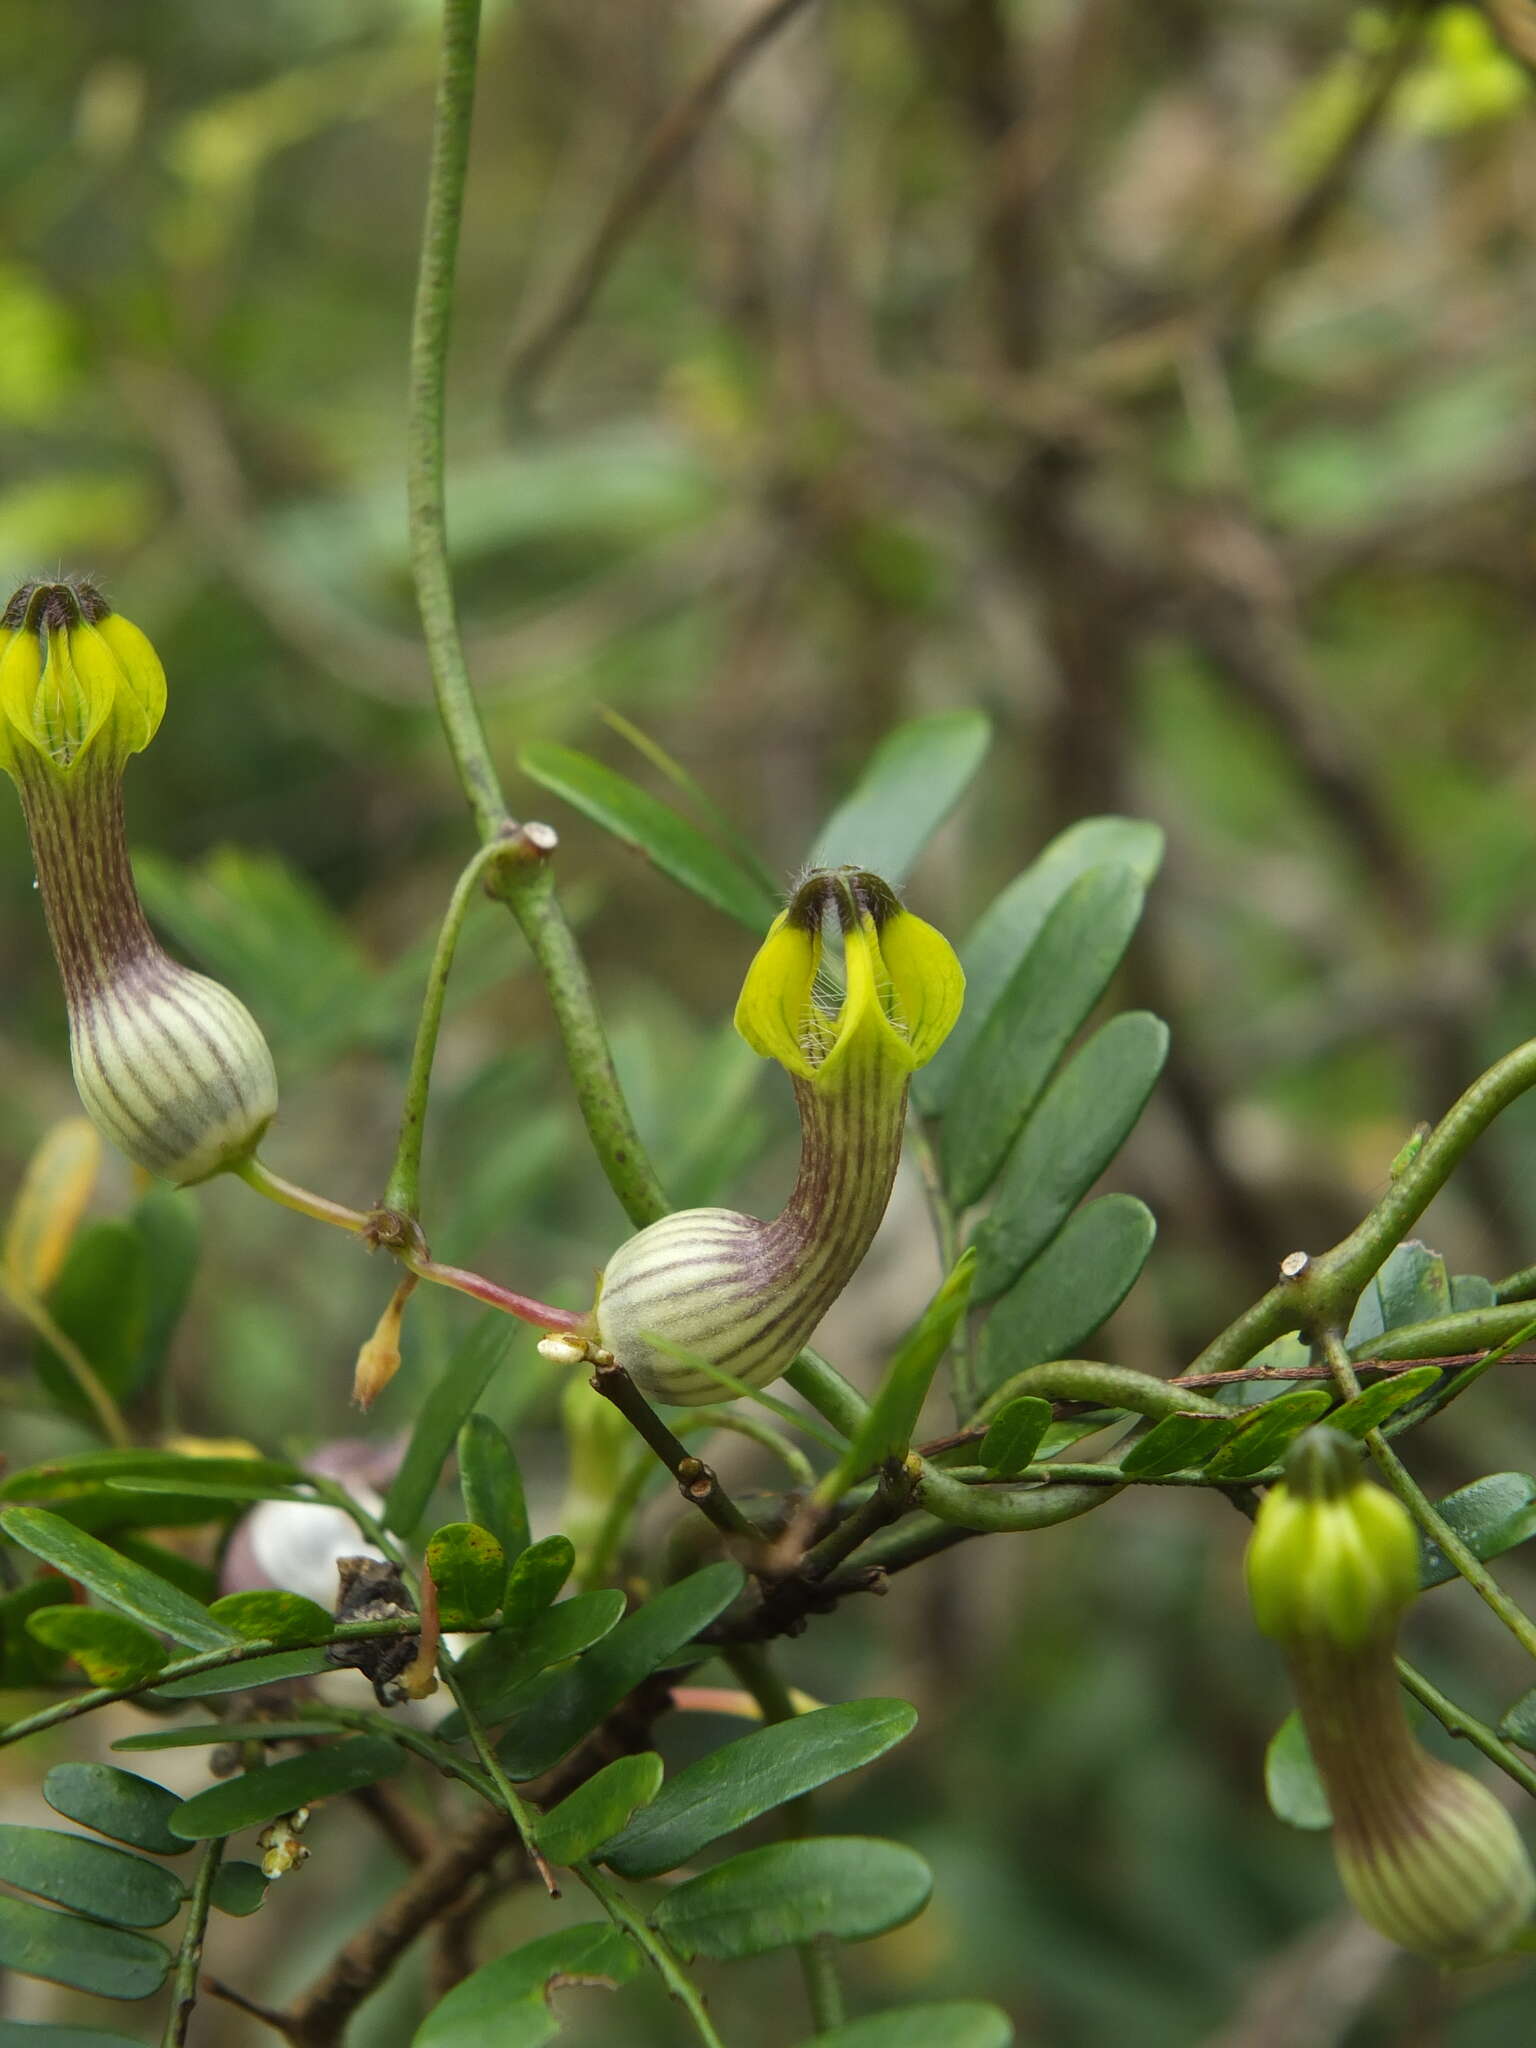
x,y
495,1670
565,1705
886,1431
1295,1791
116,1803
194,1487
1010,925
1471,1290
272,1616
1274,1425
277,1669
597,1810
909,785
536,1577
88,1877
79,1953
42,2034
24,1659
111,1577
492,1485
637,820
469,1569
741,1780
1179,1443
110,1649
239,1889
1490,1516
442,1415
208,1734
1076,1284
1015,1434
1071,1135
961,2024
1412,1287
195,1578
1369,1410
60,1478
1034,1020
168,1223
101,1300
848,1886
505,2004
256,1797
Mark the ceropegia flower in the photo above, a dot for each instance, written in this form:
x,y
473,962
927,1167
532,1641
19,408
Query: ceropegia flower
x,y
1426,1853
711,1287
170,1066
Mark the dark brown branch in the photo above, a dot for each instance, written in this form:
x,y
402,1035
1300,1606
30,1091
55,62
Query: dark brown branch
x,y
696,1481
668,144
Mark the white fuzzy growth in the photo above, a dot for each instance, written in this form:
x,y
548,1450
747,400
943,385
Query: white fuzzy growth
x,y
694,1281
174,1071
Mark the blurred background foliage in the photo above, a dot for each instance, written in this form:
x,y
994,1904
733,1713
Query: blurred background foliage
x,y
1157,379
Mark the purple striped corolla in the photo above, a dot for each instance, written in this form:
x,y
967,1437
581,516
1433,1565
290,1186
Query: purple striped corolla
x,y
170,1066
710,1297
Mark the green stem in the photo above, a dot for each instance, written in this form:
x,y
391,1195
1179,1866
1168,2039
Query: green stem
x,y
987,1509
1327,1287
654,1949
696,1481
529,893
193,1667
403,1190
189,1957
1457,1721
431,328
835,1399
396,1729
1100,1386
289,1195
1423,1510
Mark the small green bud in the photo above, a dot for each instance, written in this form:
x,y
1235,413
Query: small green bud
x,y
170,1066
1333,1556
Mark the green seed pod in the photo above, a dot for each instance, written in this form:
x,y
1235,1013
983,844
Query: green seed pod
x,y
1426,1853
711,1288
170,1066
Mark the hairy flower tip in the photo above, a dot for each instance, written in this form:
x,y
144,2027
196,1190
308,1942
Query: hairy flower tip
x,y
1441,1870
1333,1556
76,680
903,985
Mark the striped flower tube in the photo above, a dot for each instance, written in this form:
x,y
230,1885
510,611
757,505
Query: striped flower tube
x,y
1426,1853
707,1292
169,1065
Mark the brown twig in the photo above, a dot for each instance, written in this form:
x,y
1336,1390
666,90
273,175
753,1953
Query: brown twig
x,y
696,1481
665,149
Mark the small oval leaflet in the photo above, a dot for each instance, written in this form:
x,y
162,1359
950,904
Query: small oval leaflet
x,y
743,1779
109,1648
86,1956
1491,1515
113,1578
1015,1434
849,1886
43,2034
469,1569
494,1671
208,1734
596,1811
962,2024
259,1796
1263,1440
505,2003
1291,1784
238,1889
246,1672
117,1803
272,1616
535,1578
88,1877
